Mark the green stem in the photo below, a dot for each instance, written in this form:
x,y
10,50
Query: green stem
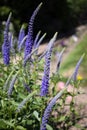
x,y
6,83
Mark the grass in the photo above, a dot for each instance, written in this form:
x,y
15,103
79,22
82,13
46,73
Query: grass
x,y
74,56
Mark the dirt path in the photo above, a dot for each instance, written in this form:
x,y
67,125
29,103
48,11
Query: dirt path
x,y
71,46
70,43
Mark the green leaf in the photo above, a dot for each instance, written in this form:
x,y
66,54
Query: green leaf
x,y
78,126
8,79
5,123
2,124
35,113
4,10
14,103
29,122
2,103
22,96
49,127
20,128
62,118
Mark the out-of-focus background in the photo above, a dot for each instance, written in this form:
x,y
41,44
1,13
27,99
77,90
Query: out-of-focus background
x,y
67,17
55,15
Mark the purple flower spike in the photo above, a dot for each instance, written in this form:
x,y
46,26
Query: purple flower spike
x,y
41,56
59,60
10,40
21,35
29,41
22,43
36,39
6,44
29,57
47,113
25,100
11,44
45,79
6,54
12,84
51,104
8,21
77,67
40,40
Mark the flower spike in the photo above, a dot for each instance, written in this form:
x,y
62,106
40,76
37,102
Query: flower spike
x,y
6,44
40,40
45,79
22,43
77,67
29,57
59,60
20,106
8,20
12,84
21,35
29,41
36,39
51,104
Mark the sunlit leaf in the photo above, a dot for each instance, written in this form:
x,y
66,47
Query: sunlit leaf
x,y
36,114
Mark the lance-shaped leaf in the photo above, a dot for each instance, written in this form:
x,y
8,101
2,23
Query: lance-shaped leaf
x,y
8,79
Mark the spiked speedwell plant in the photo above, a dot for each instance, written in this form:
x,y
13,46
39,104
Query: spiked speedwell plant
x,y
27,97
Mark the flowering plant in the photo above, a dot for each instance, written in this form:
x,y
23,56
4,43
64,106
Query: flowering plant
x,y
27,97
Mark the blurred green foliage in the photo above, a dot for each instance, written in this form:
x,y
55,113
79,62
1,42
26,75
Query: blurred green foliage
x,y
78,8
